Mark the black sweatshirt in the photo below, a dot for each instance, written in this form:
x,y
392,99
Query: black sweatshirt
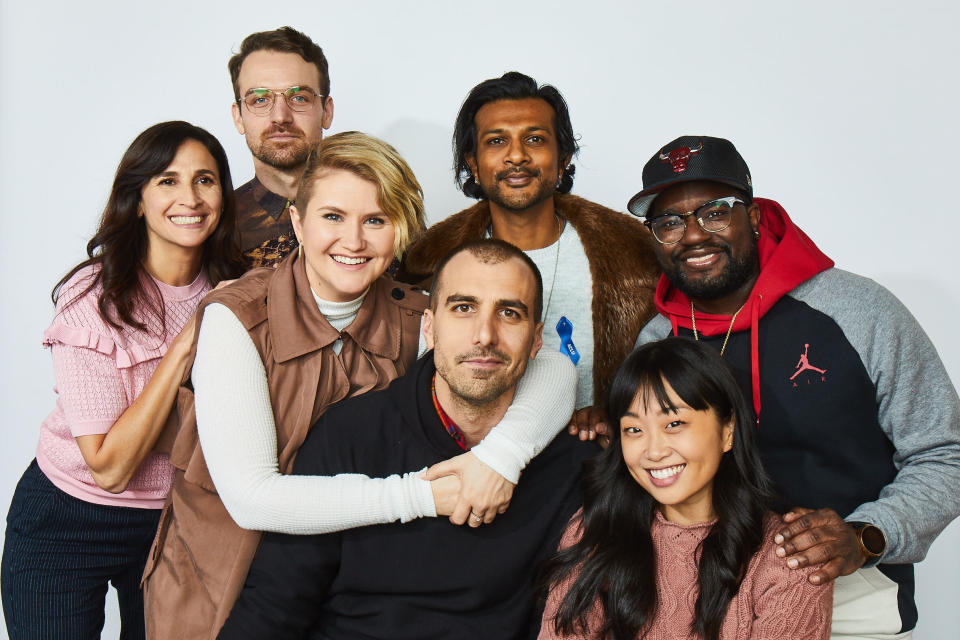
x,y
423,579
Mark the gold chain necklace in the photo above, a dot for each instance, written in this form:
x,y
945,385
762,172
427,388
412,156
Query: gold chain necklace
x,y
693,319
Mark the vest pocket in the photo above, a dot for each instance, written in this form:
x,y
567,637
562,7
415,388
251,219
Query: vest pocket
x,y
156,549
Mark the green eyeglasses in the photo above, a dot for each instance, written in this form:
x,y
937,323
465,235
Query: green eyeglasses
x,y
261,101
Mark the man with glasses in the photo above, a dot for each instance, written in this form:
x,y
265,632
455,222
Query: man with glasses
x,y
858,423
281,106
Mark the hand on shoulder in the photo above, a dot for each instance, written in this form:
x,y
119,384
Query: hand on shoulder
x,y
819,537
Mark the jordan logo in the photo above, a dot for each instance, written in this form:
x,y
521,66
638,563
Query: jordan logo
x,y
804,364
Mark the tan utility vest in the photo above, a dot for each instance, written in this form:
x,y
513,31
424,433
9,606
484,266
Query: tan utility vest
x,y
200,557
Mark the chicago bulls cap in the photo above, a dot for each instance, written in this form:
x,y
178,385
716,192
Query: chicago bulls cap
x,y
691,158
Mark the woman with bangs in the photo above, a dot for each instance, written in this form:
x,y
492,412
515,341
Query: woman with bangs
x,y
278,347
675,539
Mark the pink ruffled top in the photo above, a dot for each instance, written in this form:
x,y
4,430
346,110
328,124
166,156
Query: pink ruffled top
x,y
99,371
774,602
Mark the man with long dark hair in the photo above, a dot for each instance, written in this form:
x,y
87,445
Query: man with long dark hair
x,y
281,105
513,144
858,423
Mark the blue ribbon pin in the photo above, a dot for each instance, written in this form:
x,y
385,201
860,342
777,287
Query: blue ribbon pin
x,y
565,331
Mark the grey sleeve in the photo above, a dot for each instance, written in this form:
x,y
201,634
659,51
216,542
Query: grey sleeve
x,y
657,329
918,410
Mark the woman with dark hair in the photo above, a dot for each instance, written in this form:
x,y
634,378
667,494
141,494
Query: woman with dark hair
x,y
675,539
85,512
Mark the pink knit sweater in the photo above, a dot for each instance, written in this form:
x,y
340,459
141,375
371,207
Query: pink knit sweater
x,y
774,602
99,371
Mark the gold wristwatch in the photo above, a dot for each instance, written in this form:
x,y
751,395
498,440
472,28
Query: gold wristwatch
x,y
872,541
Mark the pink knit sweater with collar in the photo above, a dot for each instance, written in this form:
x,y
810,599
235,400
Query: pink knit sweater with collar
x,y
774,602
99,371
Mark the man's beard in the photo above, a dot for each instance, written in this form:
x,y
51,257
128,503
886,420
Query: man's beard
x,y
737,272
473,390
283,155
511,200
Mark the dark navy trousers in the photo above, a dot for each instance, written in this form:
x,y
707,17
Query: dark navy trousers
x,y
59,556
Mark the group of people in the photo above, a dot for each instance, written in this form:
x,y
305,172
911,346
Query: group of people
x,y
290,410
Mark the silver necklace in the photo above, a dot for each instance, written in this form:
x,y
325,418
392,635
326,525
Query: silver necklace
x,y
556,261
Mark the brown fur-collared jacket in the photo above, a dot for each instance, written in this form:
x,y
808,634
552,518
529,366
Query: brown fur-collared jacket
x,y
622,264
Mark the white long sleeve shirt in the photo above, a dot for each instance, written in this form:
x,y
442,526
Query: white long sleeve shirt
x,y
239,438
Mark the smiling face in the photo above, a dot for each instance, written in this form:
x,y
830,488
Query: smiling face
x,y
347,240
181,205
517,162
482,328
281,138
674,456
719,267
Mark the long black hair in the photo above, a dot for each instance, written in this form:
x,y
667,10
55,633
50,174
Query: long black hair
x,y
119,246
512,85
614,561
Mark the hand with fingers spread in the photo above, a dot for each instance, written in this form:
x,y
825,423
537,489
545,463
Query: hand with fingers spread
x,y
483,493
590,423
814,537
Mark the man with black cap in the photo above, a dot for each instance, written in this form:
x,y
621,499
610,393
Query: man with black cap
x,y
858,422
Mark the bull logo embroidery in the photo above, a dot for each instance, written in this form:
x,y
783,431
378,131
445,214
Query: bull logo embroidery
x,y
679,157
804,364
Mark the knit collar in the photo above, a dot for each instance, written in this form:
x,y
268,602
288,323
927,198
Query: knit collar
x,y
298,326
662,521
186,292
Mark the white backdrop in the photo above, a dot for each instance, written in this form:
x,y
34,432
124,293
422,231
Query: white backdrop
x,y
845,112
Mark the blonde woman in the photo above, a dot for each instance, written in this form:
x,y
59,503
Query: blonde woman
x,y
274,350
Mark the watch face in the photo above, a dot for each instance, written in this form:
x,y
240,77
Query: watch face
x,y
873,540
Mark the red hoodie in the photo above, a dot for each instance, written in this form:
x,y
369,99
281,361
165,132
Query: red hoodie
x,y
787,258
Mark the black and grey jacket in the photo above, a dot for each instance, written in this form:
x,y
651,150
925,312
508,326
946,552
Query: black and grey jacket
x,y
858,411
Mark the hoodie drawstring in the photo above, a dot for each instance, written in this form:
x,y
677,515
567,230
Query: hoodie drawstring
x,y
755,354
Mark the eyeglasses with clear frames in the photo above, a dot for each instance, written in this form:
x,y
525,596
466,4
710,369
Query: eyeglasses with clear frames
x,y
260,101
712,217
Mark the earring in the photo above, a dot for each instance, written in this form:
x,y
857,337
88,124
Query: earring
x,y
756,234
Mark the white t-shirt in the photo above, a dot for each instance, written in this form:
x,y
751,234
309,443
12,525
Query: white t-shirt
x,y
572,298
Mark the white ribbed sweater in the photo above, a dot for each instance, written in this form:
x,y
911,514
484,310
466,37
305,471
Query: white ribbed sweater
x,y
239,437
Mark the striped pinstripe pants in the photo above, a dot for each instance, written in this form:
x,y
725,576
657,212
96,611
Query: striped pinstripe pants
x,y
59,556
